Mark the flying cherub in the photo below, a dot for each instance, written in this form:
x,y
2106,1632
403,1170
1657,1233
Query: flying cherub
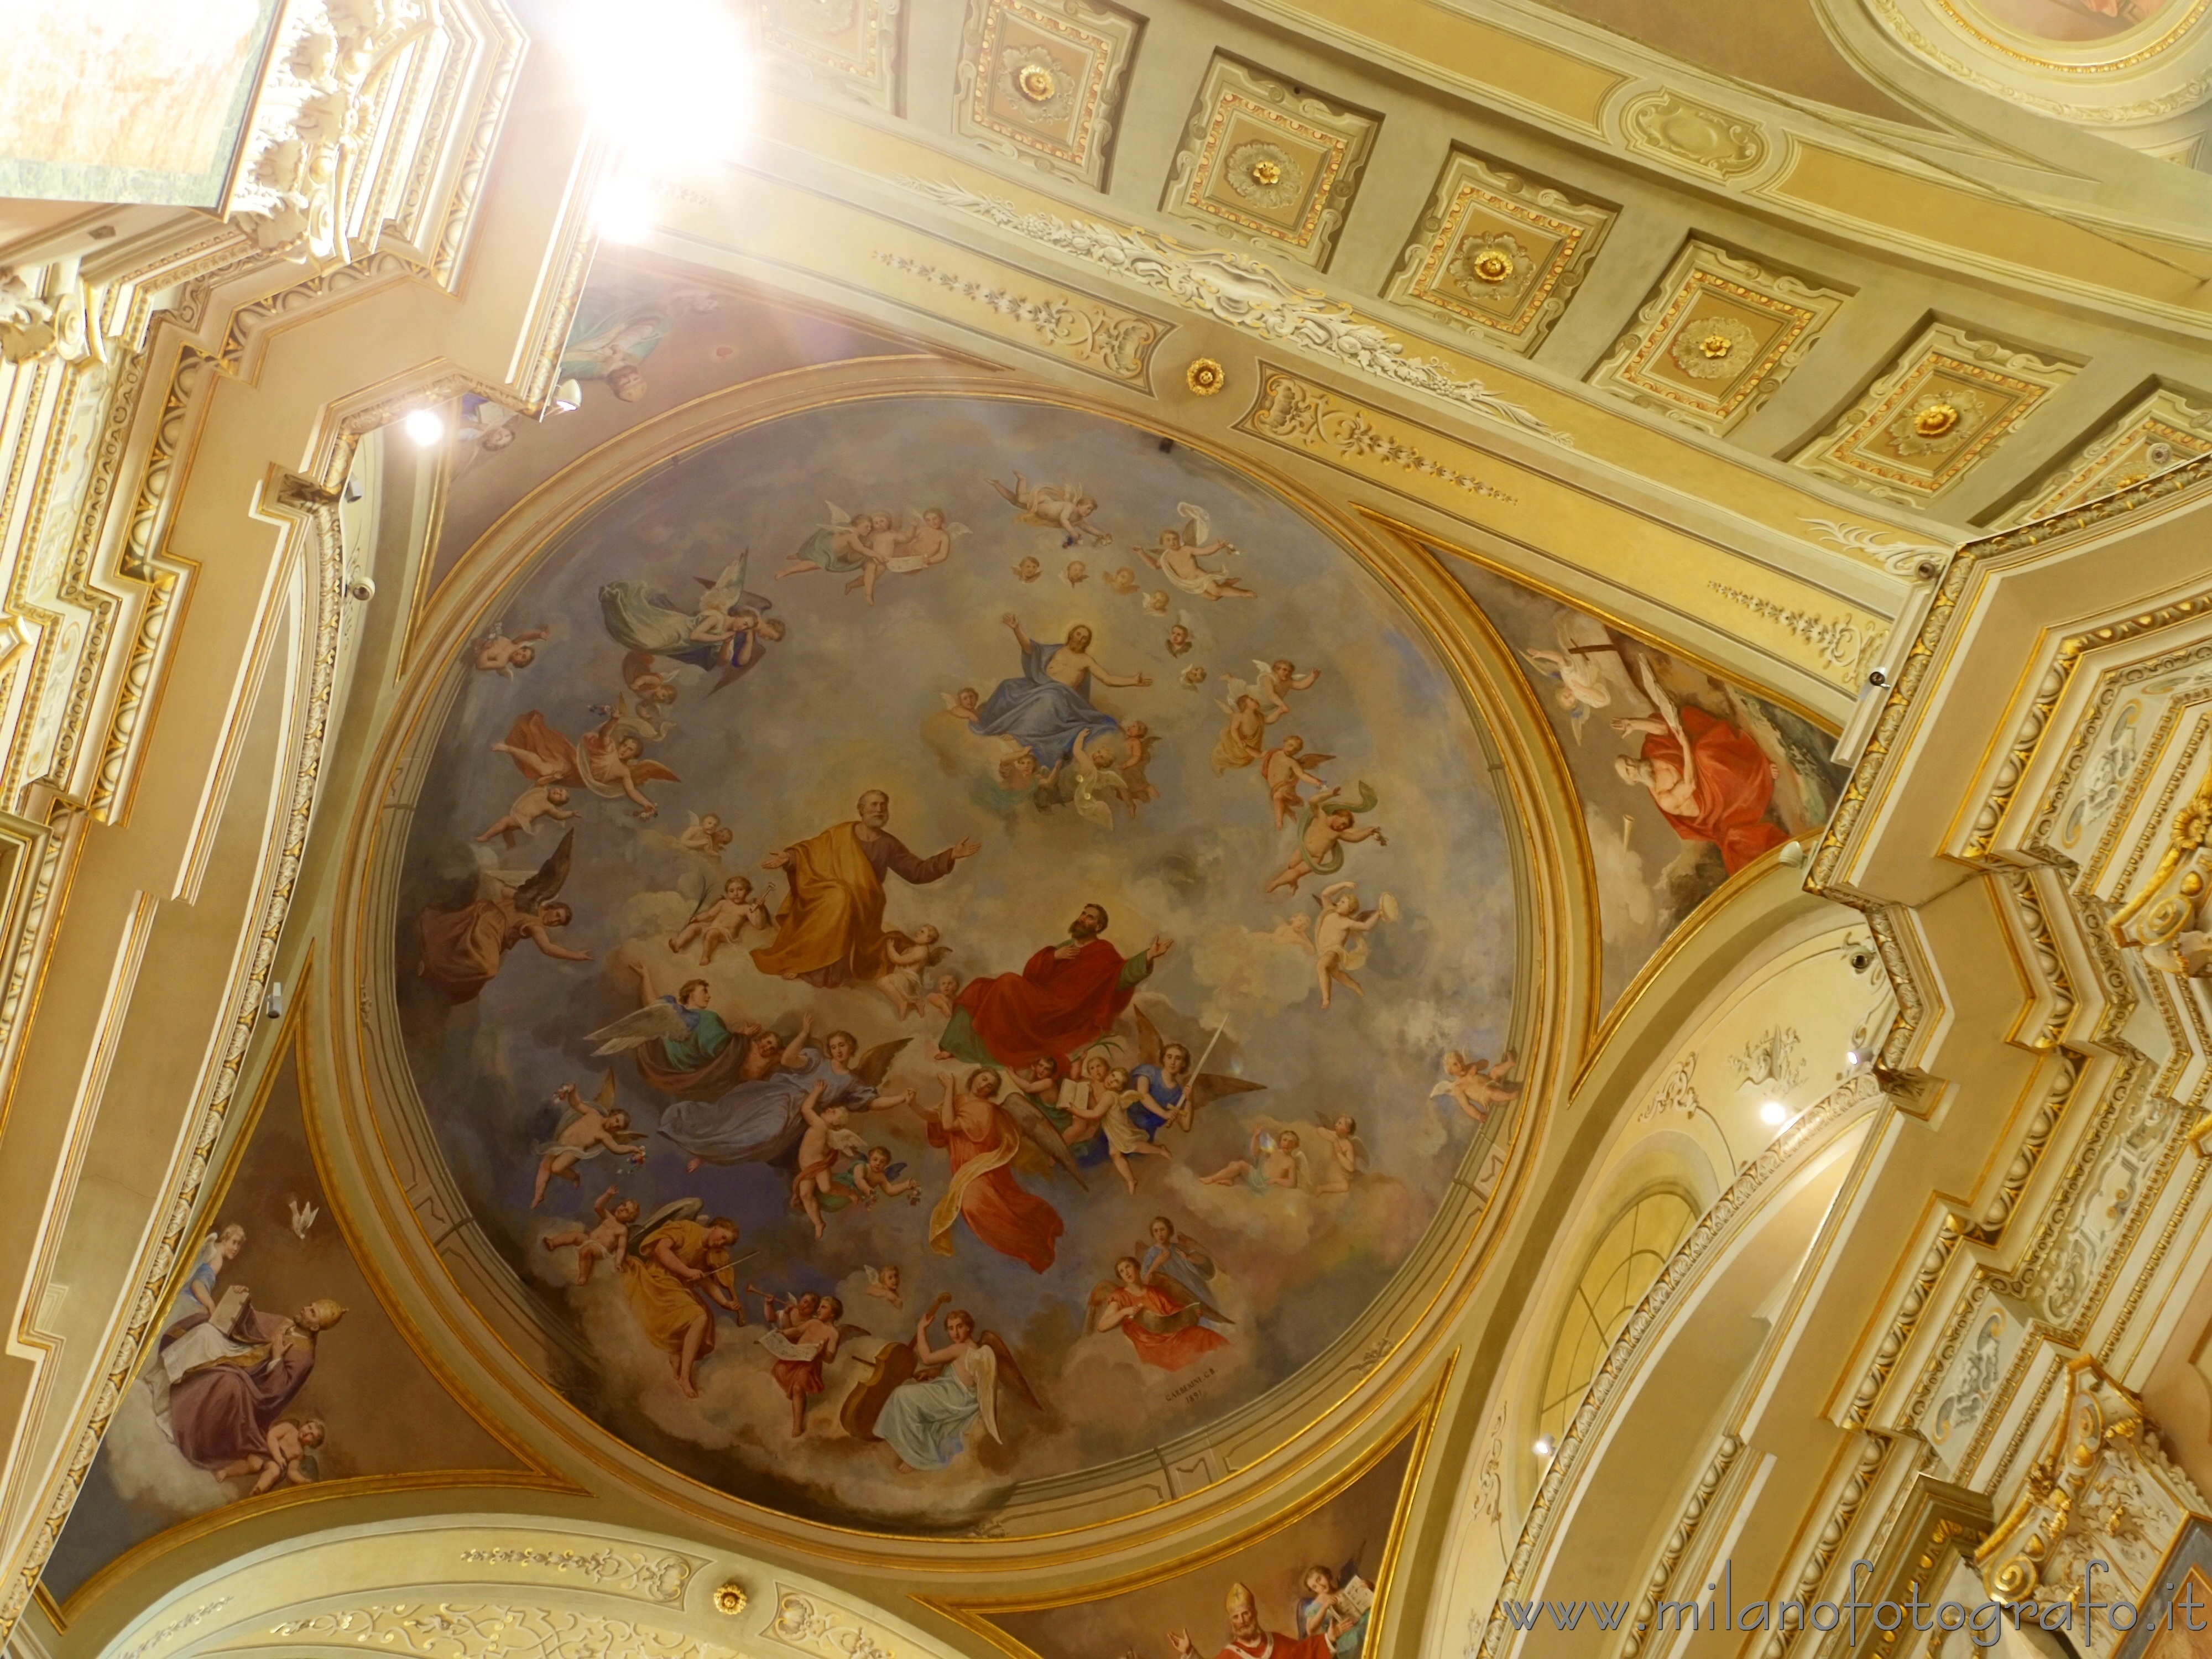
x,y
1027,568
539,801
1121,579
606,1241
722,920
910,956
1323,832
1339,937
1090,782
1283,769
1477,1086
1177,554
588,1128
503,653
1064,508
1589,670
1345,1154
1277,1161
1277,679
706,834
884,1285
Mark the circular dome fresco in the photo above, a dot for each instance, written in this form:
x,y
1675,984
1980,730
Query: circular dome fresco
x,y
944,942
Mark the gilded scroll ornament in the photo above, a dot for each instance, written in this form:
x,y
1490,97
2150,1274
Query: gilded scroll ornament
x,y
1238,291
462,1629
650,1578
1292,412
2171,932
816,1626
1120,344
2103,1488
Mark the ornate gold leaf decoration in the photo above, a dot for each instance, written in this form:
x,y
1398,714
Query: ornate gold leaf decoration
x,y
654,1578
464,1630
730,1598
1839,639
1120,344
816,1626
1205,376
1292,411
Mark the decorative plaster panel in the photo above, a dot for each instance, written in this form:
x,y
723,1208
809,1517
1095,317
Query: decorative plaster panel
x,y
2156,433
1497,253
1717,338
1712,142
1042,81
852,44
1946,401
1271,159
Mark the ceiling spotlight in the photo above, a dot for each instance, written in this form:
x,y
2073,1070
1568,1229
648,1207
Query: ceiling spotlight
x,y
1543,1445
1774,1112
425,426
1851,1056
567,395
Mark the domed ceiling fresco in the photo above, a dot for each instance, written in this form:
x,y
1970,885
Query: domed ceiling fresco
x,y
947,941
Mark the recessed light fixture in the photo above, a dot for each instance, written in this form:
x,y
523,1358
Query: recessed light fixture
x,y
425,427
567,396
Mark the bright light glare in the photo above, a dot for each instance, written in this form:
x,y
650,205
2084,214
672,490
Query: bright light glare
x,y
1774,1112
1543,1445
696,103
425,426
1851,1056
567,395
623,209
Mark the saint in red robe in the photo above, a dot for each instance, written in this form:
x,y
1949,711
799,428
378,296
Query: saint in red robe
x,y
1164,1329
1053,1007
1272,1644
1735,781
983,1192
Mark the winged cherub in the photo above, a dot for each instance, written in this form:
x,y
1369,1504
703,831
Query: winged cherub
x,y
464,944
802,1349
588,1129
1177,553
1064,508
1476,1086
909,955
1323,831
1340,936
923,1401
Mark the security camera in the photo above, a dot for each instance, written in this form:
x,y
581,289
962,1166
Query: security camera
x,y
362,588
1877,676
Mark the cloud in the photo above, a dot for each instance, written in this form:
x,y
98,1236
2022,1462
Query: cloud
x,y
146,1466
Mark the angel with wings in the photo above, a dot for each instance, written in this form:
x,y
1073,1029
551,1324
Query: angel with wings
x,y
1277,1161
1325,828
1063,507
923,1401
1162,1079
760,1120
844,545
589,1129
728,629
1178,552
884,1285
1589,669
909,955
1088,780
1283,769
610,760
1345,1153
802,1349
1244,739
927,541
1163,1317
1476,1086
705,833
464,943
1339,938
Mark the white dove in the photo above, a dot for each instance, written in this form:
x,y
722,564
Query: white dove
x,y
303,1217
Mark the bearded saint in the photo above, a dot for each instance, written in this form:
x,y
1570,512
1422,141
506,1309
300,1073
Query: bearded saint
x,y
830,929
1250,1639
1067,995
1713,783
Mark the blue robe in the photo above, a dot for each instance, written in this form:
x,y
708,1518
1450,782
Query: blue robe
x,y
927,1423
1039,713
759,1123
1164,1092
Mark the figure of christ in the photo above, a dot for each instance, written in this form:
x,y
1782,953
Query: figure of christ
x,y
1067,996
1048,705
1708,779
830,930
982,1141
807,1344
1250,1639
673,1285
1161,1317
606,1241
